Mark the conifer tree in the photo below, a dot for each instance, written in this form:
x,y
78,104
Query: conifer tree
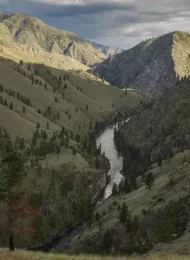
x,y
149,180
115,190
124,214
11,106
12,172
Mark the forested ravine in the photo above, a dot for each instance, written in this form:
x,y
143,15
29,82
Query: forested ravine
x,y
106,139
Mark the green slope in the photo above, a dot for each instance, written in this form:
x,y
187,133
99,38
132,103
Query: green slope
x,y
31,91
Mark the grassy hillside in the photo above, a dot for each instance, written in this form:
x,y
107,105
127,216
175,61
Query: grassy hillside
x,y
51,115
158,216
155,141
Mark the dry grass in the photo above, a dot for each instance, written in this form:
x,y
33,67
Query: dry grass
x,y
24,255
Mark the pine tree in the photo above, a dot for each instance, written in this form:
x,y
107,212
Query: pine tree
x,y
23,109
121,186
1,88
18,95
12,173
97,163
97,217
127,186
115,190
124,214
149,180
59,81
5,102
74,151
32,78
11,106
89,210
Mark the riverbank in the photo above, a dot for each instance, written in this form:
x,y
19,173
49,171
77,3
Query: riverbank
x,y
104,189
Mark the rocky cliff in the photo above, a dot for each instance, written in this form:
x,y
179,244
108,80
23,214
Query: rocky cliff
x,y
151,66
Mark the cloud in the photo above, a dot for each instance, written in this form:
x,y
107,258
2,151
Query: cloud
x,y
122,23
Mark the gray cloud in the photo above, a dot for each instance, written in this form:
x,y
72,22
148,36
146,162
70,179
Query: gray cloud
x,y
119,22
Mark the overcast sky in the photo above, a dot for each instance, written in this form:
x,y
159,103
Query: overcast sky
x,y
121,23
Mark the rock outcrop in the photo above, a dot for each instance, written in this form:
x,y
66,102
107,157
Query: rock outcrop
x,y
151,66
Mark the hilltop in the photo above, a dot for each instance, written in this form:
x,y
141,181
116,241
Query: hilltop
x,y
151,66
32,32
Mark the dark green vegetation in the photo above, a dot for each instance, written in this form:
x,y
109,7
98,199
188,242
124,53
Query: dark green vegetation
x,y
151,66
161,131
151,205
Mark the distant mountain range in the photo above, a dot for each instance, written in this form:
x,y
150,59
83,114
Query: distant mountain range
x,y
107,50
151,66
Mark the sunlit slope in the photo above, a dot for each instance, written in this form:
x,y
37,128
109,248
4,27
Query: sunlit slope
x,y
80,98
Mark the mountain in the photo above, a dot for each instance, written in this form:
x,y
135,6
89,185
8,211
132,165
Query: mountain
x,y
151,205
108,51
53,109
23,29
151,66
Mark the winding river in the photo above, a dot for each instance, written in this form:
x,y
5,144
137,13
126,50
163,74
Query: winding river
x,y
106,139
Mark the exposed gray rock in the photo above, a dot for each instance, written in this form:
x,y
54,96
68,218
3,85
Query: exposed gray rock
x,y
151,66
107,50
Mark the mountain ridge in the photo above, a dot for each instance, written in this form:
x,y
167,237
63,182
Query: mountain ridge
x,y
151,65
31,31
107,50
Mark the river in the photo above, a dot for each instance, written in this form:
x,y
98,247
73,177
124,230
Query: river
x,y
106,139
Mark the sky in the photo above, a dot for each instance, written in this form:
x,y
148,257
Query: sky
x,y
119,23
